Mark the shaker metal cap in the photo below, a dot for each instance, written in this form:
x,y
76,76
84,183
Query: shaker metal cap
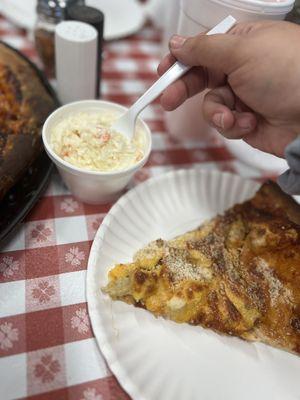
x,y
55,9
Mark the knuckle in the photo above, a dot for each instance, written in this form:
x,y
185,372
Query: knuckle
x,y
193,45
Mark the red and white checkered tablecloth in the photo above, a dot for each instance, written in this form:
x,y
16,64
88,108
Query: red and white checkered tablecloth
x,y
47,347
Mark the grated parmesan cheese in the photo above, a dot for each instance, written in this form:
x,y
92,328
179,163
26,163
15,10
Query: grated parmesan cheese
x,y
276,287
85,140
181,269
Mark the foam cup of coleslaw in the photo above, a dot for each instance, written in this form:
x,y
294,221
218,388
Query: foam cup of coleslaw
x,y
95,163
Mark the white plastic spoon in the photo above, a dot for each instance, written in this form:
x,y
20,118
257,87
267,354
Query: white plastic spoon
x,y
126,123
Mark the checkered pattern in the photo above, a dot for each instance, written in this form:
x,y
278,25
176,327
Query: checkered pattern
x,y
47,347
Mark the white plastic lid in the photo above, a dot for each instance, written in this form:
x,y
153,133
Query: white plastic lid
x,y
193,8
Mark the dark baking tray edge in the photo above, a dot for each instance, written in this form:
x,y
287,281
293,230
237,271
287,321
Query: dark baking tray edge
x,y
7,232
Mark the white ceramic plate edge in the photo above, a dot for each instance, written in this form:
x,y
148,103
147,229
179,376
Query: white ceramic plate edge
x,y
24,17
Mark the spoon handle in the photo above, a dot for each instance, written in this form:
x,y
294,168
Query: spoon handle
x,y
175,72
171,75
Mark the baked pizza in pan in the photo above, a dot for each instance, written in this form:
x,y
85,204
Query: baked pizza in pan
x,y
25,103
238,274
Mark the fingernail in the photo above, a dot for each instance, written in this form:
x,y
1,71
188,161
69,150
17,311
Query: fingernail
x,y
177,41
245,124
218,120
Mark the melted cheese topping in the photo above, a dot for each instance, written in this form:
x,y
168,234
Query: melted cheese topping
x,y
86,141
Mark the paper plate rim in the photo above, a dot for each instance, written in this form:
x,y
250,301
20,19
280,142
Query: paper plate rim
x,y
103,343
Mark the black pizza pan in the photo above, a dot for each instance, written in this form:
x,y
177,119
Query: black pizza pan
x,y
21,198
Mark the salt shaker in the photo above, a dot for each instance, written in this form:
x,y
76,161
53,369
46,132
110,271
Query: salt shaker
x,y
95,18
76,53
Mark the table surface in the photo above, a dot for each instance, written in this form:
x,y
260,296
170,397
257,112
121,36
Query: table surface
x,y
47,347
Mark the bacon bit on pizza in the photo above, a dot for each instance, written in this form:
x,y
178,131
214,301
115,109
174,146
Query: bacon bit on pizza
x,y
140,277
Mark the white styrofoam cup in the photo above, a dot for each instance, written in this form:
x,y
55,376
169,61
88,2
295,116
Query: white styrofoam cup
x,y
93,187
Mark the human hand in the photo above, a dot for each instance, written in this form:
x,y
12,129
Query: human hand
x,y
254,74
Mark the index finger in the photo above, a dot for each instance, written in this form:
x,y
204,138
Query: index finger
x,y
220,50
165,64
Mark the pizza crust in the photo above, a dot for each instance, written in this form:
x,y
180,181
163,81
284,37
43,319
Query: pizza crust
x,y
282,204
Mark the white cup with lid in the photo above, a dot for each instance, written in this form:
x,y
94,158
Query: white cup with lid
x,y
199,15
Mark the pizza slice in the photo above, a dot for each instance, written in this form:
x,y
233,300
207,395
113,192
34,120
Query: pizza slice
x,y
238,274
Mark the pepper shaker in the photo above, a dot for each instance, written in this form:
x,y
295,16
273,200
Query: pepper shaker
x,y
94,17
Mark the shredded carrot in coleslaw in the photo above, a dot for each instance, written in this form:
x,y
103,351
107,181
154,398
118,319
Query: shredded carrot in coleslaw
x,y
85,140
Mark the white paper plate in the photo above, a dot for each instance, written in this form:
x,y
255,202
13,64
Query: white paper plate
x,y
156,359
122,18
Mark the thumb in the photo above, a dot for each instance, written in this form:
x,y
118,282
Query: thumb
x,y
211,51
